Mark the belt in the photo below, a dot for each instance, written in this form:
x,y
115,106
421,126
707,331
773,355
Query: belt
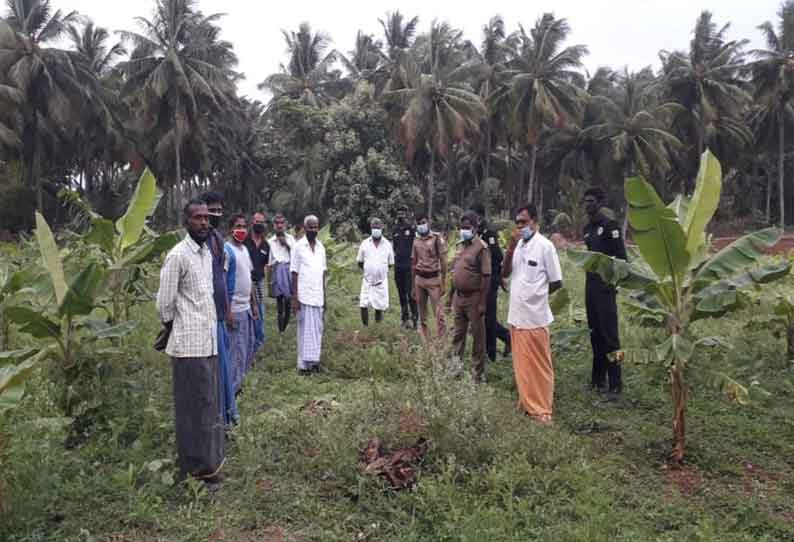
x,y
466,294
427,274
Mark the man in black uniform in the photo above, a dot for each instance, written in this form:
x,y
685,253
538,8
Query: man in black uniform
x,y
603,234
402,240
493,329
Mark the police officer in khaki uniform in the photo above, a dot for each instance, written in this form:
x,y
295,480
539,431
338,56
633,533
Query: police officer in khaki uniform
x,y
471,275
429,266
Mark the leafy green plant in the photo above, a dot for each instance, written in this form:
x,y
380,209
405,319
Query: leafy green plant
x,y
676,282
781,318
66,328
128,244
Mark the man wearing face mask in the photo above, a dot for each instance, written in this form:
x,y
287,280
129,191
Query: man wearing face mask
x,y
603,235
375,256
429,266
403,237
309,269
215,243
471,275
259,250
533,267
241,325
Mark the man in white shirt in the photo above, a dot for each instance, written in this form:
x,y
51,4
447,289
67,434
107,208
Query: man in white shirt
x,y
532,263
281,244
375,256
185,303
244,306
308,268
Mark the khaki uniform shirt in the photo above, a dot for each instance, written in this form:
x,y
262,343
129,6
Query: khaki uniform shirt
x,y
472,263
428,252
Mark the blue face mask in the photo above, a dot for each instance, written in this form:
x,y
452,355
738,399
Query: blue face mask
x,y
467,234
377,233
527,233
423,229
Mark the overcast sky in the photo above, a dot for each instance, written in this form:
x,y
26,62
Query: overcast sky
x,y
617,32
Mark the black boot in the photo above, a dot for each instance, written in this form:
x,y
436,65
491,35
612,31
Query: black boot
x,y
365,316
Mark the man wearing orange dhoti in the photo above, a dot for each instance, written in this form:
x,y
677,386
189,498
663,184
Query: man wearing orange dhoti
x,y
532,263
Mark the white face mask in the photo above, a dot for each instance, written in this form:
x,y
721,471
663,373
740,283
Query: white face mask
x,y
377,233
466,234
423,229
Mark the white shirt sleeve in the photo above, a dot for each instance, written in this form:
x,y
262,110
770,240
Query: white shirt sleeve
x,y
360,256
391,254
295,261
552,263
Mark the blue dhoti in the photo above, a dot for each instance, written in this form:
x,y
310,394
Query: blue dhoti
x,y
282,280
241,347
310,336
228,403
259,325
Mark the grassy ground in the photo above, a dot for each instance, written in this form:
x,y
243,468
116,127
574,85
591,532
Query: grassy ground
x,y
601,473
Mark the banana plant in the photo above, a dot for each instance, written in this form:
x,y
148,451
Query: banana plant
x,y
676,282
66,328
781,318
128,244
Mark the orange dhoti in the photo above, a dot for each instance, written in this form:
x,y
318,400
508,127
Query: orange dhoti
x,y
533,370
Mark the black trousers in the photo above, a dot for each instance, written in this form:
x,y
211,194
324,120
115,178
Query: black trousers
x,y
602,319
402,276
493,329
284,306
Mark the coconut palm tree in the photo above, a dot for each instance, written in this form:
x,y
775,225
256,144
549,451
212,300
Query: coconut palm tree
x,y
438,112
44,79
366,58
178,72
308,77
773,80
635,126
100,132
707,81
543,85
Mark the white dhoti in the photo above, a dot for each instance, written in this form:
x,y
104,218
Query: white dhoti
x,y
375,296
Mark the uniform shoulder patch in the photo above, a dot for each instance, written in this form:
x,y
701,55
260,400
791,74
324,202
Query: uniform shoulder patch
x,y
600,230
615,234
492,240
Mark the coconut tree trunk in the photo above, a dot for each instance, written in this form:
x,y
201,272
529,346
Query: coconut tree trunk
x,y
488,129
781,159
679,392
533,158
430,187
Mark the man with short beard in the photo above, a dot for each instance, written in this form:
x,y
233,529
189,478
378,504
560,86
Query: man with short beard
x,y
309,269
185,303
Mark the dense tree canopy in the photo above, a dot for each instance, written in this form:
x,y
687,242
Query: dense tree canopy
x,y
420,114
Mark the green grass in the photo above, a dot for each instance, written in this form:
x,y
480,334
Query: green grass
x,y
601,473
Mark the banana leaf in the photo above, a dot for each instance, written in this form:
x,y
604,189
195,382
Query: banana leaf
x,y
33,323
12,380
735,257
144,202
614,271
704,203
80,296
51,257
656,230
102,234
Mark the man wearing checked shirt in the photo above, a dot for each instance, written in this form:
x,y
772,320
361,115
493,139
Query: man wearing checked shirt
x,y
185,303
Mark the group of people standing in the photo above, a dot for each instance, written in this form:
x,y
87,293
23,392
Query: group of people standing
x,y
212,295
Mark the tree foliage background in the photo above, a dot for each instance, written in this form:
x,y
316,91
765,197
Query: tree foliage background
x,y
421,114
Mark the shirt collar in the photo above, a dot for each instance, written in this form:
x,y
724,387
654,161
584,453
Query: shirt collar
x,y
193,245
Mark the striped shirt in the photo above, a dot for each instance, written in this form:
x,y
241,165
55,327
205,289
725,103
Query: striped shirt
x,y
186,299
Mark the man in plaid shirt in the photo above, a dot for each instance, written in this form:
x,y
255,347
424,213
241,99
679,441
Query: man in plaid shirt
x,y
185,302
